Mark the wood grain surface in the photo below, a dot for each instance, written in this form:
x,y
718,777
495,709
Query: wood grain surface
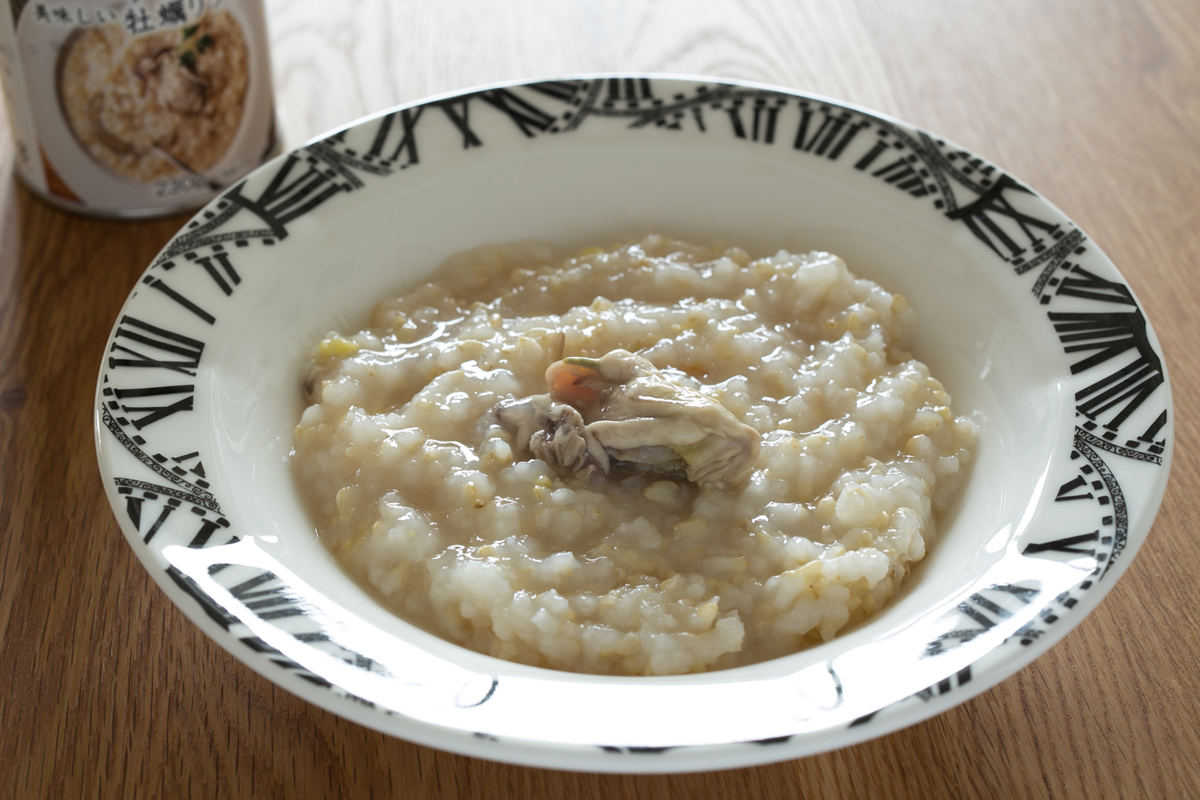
x,y
108,691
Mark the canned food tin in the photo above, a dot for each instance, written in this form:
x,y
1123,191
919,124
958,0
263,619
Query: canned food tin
x,y
133,109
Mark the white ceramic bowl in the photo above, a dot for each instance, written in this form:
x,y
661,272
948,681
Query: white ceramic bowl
x,y
1029,325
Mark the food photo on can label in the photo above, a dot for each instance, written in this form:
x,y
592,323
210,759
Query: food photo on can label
x,y
153,105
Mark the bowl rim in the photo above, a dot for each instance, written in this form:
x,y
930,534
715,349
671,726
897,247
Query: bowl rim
x,y
631,759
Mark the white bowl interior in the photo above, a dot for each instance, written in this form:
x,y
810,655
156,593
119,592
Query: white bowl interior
x,y
979,332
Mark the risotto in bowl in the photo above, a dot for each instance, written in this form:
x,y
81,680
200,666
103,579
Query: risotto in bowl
x,y
601,428
654,459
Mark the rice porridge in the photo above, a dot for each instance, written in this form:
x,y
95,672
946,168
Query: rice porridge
x,y
652,459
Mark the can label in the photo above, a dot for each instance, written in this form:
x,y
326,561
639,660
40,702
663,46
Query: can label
x,y
136,108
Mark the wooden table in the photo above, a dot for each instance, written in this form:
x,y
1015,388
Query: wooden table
x,y
110,692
